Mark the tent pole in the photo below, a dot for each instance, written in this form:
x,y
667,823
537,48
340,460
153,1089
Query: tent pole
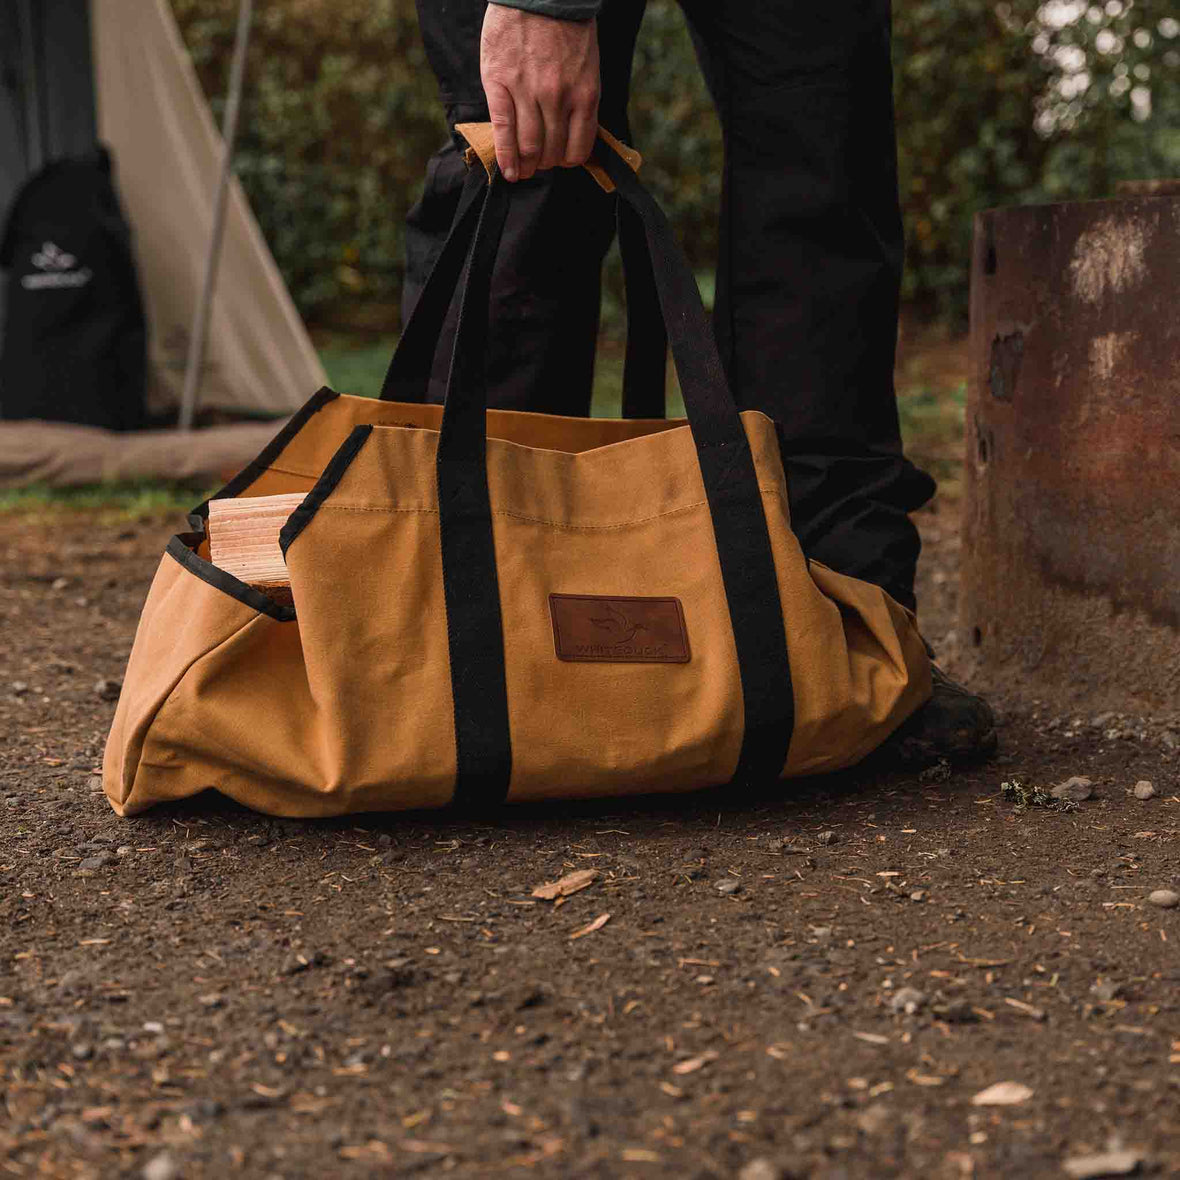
x,y
229,131
34,138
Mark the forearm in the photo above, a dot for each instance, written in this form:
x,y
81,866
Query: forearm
x,y
562,9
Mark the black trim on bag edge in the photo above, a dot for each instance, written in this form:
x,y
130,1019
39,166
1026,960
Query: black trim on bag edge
x,y
324,486
179,549
265,457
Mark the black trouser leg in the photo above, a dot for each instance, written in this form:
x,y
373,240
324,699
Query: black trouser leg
x,y
546,290
810,265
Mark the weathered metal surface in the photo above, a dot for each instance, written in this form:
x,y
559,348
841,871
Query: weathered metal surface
x,y
1071,558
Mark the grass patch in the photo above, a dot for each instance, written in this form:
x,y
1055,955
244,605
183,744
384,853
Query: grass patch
x,y
932,424
133,500
356,364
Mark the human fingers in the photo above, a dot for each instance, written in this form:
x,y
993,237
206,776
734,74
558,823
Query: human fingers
x,y
553,98
583,130
530,135
502,111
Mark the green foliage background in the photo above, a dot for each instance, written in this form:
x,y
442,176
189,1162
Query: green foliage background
x,y
342,113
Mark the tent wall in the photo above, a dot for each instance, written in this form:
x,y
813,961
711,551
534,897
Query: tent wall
x,y
152,113
47,103
142,98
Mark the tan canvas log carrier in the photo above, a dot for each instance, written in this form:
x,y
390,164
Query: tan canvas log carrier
x,y
496,605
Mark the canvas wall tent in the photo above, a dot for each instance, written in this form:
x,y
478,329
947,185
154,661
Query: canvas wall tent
x,y
72,68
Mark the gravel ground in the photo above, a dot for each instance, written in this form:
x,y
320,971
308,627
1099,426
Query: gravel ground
x,y
827,981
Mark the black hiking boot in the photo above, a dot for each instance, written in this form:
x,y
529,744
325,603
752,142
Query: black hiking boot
x,y
954,725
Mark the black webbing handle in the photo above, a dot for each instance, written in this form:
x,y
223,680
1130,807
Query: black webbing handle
x,y
408,376
471,586
645,369
731,484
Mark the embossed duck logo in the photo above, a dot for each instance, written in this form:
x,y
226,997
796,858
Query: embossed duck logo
x,y
621,629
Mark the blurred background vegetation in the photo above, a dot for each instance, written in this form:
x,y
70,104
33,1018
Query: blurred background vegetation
x,y
997,103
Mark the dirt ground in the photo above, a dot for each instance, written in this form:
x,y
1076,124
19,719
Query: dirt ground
x,y
204,992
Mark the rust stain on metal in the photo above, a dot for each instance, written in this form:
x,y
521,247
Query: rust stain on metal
x,y
1072,518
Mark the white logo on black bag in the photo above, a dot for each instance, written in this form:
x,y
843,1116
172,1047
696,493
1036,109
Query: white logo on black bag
x,y
57,269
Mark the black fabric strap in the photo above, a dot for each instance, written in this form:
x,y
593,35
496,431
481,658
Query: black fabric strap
x,y
731,485
408,377
475,628
474,619
645,369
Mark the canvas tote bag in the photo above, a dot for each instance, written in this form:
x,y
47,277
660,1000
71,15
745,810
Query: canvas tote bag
x,y
497,606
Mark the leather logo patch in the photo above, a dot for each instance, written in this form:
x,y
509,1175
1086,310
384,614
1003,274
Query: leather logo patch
x,y
597,629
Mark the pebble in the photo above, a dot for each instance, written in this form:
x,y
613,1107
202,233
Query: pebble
x,y
60,583
907,1000
1078,789
728,885
108,690
1164,898
1107,990
761,1169
124,850
918,895
97,862
80,1051
960,1012
1103,1163
161,1167
18,688
875,1119
1144,790
827,838
211,1000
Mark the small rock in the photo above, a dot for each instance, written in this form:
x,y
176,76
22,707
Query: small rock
x,y
1107,990
728,885
959,1012
18,688
907,1000
81,1051
124,850
1164,898
108,690
1076,789
761,1169
918,895
211,1000
875,1119
97,862
60,583
1102,720
1003,1094
827,838
161,1167
153,1026
1103,1163
1144,790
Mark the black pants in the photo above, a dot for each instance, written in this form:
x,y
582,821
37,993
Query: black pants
x,y
810,262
